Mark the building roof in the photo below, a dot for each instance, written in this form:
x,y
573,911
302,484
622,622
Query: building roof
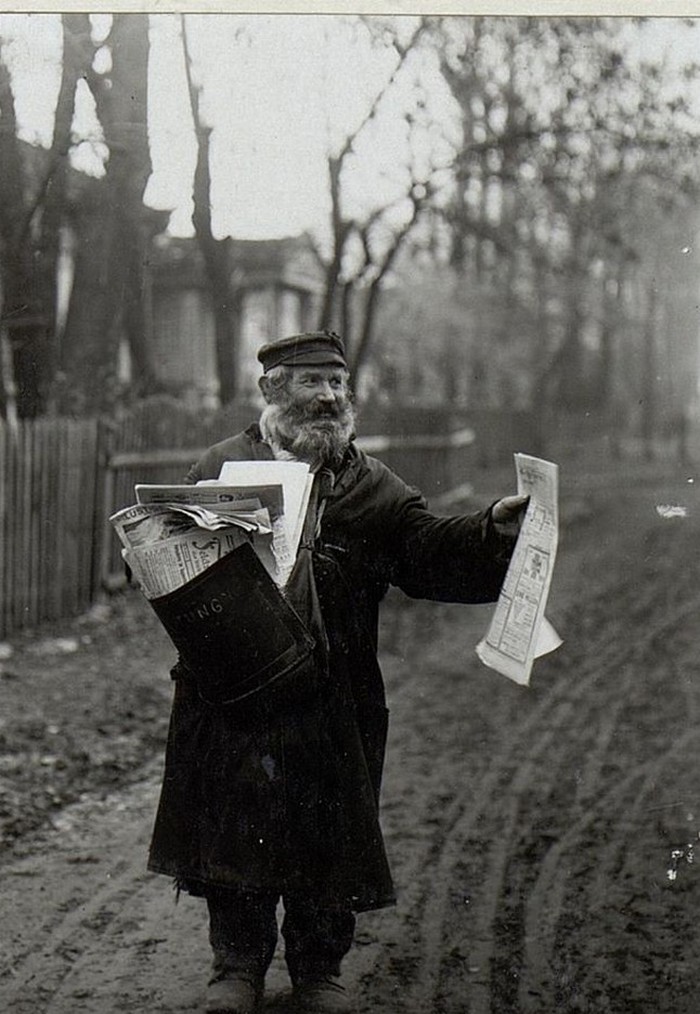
x,y
289,262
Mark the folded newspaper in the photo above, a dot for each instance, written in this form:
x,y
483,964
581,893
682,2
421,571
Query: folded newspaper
x,y
519,631
175,532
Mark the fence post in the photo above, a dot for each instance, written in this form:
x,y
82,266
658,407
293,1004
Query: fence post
x,y
104,498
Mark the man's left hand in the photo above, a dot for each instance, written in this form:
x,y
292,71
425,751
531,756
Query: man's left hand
x,y
509,511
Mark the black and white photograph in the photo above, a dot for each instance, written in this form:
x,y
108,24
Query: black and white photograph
x,y
350,508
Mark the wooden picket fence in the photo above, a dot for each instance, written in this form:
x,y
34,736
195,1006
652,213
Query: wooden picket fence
x,y
49,494
60,479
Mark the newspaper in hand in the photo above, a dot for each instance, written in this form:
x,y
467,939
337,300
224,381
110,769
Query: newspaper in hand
x,y
519,631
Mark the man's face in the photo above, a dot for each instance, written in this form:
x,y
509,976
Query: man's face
x,y
318,391
310,414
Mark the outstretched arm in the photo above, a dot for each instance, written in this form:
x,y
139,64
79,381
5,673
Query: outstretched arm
x,y
459,559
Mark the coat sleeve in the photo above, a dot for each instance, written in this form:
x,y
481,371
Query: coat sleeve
x,y
242,447
461,558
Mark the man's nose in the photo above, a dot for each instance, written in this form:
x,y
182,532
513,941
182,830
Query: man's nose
x,y
325,392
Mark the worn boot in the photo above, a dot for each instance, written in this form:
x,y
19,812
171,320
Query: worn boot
x,y
324,995
242,933
237,994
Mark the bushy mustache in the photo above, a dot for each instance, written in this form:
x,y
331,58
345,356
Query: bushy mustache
x,y
291,418
311,411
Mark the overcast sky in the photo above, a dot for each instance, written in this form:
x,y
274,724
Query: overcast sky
x,y
280,91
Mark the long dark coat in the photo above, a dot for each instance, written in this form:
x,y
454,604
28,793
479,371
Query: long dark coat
x,y
283,796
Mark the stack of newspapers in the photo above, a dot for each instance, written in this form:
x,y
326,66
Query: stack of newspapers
x,y
173,533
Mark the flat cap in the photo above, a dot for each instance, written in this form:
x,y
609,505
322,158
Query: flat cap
x,y
313,348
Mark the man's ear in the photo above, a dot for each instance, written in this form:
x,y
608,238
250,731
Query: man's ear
x,y
264,385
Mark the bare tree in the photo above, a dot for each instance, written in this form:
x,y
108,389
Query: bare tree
x,y
216,252
565,146
32,206
368,279
42,199
113,231
363,251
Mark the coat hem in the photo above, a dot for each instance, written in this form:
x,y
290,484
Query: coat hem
x,y
197,886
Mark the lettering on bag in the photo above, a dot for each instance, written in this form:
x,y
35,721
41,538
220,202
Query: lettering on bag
x,y
204,611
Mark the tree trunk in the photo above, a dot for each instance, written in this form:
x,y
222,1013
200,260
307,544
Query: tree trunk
x,y
216,259
108,288
347,315
539,394
78,54
648,403
31,223
359,357
364,342
25,317
216,253
340,231
571,387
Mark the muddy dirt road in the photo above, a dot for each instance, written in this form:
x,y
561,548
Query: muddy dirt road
x,y
542,839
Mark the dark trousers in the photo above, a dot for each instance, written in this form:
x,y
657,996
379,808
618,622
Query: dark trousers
x,y
243,934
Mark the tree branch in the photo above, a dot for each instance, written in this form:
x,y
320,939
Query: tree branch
x,y
403,52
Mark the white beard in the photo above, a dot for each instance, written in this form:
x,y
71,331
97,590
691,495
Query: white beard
x,y
319,440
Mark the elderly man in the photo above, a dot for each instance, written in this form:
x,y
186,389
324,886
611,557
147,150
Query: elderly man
x,y
279,798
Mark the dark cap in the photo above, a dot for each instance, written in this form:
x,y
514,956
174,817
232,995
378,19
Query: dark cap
x,y
313,348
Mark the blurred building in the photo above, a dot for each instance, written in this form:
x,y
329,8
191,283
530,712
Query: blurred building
x,y
277,287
